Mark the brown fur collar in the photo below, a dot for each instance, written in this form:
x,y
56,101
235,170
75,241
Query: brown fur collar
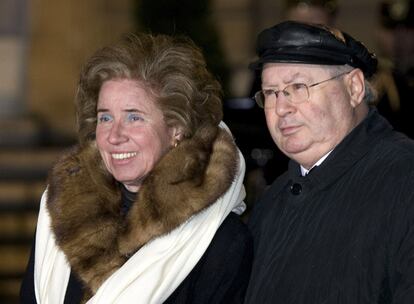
x,y
84,201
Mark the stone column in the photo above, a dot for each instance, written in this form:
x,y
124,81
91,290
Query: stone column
x,y
13,37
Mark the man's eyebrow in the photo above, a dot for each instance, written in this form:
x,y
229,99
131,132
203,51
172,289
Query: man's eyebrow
x,y
293,77
286,80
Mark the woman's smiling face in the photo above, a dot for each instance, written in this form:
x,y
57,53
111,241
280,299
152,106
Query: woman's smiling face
x,y
131,133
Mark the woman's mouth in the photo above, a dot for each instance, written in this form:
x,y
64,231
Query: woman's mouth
x,y
121,156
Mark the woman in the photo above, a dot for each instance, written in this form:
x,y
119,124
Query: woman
x,y
140,210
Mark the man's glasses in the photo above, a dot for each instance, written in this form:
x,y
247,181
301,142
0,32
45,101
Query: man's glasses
x,y
295,93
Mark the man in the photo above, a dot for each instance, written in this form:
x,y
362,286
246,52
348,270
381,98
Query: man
x,y
272,165
338,226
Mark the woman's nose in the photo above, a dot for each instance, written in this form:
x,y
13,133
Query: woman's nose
x,y
117,134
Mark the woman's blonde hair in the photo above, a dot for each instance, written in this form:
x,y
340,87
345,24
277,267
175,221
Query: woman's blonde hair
x,y
172,70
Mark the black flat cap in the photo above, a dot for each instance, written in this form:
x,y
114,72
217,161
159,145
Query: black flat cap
x,y
296,42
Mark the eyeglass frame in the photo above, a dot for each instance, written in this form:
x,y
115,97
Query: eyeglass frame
x,y
277,92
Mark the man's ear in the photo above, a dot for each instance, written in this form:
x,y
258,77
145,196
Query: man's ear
x,y
355,82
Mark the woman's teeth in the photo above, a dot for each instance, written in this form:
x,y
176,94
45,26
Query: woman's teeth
x,y
123,155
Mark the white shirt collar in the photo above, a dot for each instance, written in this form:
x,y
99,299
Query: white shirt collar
x,y
305,171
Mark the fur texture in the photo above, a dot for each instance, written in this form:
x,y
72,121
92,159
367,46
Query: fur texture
x,y
84,201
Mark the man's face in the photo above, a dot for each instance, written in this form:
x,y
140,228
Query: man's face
x,y
307,131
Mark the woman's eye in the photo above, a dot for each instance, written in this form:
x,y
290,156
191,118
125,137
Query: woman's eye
x,y
104,118
134,117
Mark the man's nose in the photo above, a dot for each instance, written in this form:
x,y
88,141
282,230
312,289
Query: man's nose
x,y
283,104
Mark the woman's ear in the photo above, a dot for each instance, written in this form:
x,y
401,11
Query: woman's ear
x,y
356,87
176,136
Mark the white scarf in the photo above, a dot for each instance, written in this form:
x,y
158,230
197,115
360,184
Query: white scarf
x,y
153,273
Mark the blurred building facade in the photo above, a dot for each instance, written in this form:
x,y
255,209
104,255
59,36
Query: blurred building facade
x,y
43,44
395,78
58,36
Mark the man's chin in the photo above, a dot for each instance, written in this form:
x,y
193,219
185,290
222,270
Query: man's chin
x,y
292,146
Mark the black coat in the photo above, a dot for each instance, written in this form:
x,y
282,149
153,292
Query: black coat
x,y
221,276
345,232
